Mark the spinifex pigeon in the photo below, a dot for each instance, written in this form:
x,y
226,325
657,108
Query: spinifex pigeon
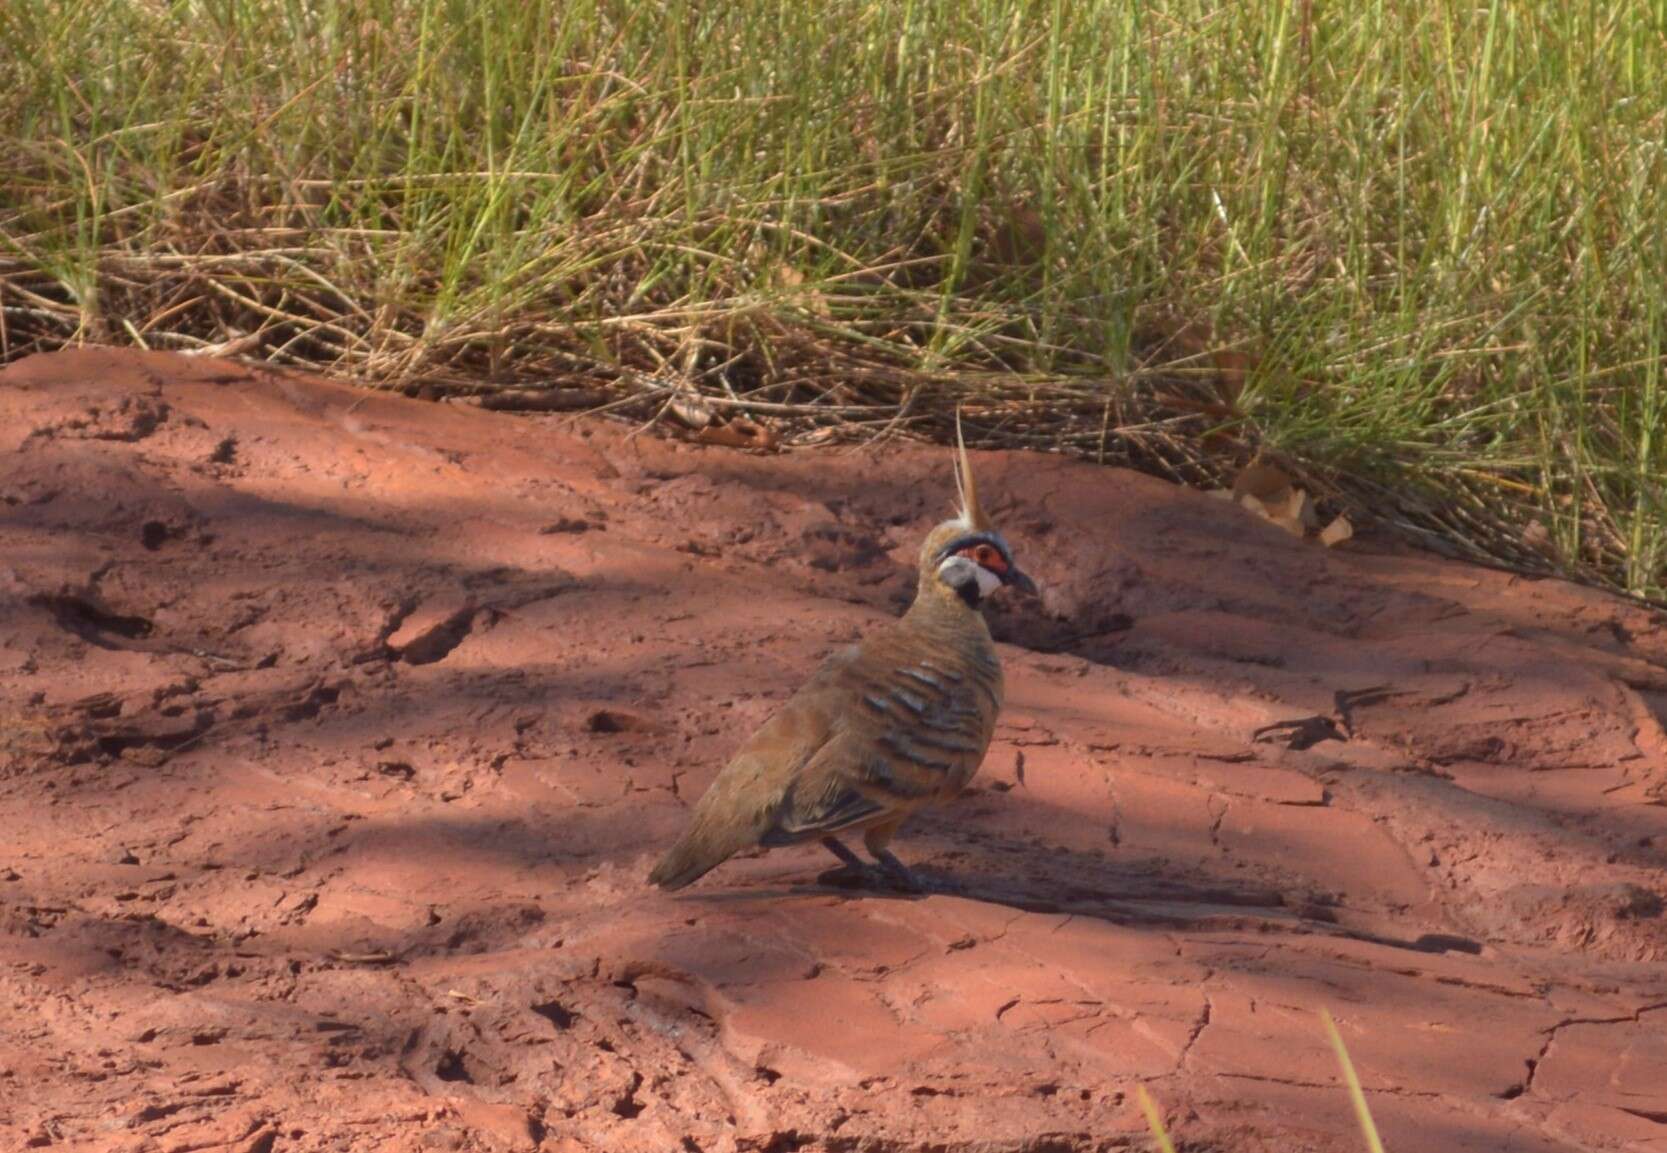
x,y
885,727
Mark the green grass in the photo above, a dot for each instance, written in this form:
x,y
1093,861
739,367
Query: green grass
x,y
1433,234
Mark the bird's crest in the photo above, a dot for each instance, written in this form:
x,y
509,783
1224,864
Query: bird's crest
x,y
971,514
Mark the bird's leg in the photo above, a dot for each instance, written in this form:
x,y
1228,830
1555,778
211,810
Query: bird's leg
x,y
899,873
892,873
852,861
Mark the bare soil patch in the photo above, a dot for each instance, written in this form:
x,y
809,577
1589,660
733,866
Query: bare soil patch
x,y
340,731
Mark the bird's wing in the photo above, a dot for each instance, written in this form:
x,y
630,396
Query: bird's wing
x,y
742,804
750,788
826,796
908,732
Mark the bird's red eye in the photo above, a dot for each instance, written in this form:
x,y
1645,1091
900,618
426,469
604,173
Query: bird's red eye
x,y
985,556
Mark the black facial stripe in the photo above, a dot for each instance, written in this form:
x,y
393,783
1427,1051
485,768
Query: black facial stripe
x,y
976,538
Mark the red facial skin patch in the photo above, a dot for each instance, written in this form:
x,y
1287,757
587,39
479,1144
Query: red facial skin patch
x,y
987,557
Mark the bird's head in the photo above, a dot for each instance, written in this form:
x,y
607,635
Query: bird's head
x,y
966,557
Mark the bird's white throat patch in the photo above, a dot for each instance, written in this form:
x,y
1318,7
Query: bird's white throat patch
x,y
956,571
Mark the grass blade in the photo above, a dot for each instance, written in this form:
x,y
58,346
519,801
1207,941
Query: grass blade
x,y
1356,1094
1153,1120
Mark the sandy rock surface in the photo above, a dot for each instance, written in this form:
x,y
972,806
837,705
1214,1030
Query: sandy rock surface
x,y
338,732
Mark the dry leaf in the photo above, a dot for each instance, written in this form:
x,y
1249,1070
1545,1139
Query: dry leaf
x,y
236,346
1336,532
691,411
738,433
1290,524
790,282
1232,369
1021,239
1300,510
1268,491
1261,481
1293,504
1291,509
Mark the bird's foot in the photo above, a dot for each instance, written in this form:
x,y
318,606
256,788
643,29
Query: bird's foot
x,y
874,880
900,876
858,874
853,873
851,877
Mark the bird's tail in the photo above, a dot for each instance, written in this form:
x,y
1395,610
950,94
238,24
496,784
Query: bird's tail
x,y
702,848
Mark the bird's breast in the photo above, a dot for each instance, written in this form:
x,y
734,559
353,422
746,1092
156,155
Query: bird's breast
x,y
929,710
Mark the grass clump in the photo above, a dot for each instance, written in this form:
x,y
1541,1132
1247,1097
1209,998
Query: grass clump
x,y
1416,250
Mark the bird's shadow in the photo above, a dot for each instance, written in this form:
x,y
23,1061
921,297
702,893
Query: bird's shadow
x,y
1138,894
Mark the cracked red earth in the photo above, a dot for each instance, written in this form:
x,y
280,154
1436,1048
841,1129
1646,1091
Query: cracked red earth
x,y
341,730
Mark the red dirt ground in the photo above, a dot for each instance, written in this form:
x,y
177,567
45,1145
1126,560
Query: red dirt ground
x,y
340,731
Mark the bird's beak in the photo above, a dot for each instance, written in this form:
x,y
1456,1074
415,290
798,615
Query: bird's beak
x,y
1017,578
